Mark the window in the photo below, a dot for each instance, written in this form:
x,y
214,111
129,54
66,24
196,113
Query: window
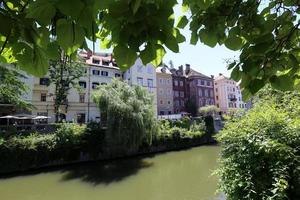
x,y
233,89
216,89
169,92
206,93
176,83
181,83
169,102
44,81
105,62
140,81
161,91
208,83
96,61
43,97
168,81
161,102
150,83
176,93
176,102
181,94
217,97
82,84
81,98
169,112
104,73
218,105
117,75
161,112
149,70
202,82
200,93
182,103
95,85
96,72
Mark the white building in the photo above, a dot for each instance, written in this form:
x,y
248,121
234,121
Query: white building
x,y
100,69
144,76
228,94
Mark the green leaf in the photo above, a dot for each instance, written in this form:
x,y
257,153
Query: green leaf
x,y
255,85
208,38
159,54
194,38
135,6
236,74
43,11
6,24
125,56
74,10
179,37
234,43
52,51
172,44
153,53
182,22
32,59
203,4
69,36
283,82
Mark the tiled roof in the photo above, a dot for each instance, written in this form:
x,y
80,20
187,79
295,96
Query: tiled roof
x,y
195,73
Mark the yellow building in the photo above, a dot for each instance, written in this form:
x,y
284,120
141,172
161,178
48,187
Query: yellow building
x,y
164,91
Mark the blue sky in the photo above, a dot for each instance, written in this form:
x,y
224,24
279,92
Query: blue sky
x,y
207,60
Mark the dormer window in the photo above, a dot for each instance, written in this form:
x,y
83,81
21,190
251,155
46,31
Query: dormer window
x,y
105,62
96,61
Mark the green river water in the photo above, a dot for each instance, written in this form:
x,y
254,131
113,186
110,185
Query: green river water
x,y
181,175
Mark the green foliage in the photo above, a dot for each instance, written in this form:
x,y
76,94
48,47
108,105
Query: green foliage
x,y
191,106
129,114
209,110
266,33
180,129
12,87
64,75
260,150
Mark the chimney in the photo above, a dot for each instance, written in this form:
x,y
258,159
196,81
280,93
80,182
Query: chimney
x,y
187,68
212,76
220,74
181,69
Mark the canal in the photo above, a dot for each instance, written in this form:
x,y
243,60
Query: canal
x,y
181,175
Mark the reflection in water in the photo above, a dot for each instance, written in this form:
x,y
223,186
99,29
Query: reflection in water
x,y
182,175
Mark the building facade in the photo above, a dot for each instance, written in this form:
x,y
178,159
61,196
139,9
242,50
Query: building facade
x,y
100,69
179,89
164,91
145,76
200,87
228,94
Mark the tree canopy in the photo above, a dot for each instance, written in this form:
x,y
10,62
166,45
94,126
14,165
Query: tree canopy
x,y
265,32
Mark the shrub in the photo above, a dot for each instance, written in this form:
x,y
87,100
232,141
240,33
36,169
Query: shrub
x,y
260,156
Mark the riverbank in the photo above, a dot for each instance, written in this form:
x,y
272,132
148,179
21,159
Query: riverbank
x,y
38,161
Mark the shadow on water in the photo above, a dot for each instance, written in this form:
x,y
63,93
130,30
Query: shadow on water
x,y
94,172
105,172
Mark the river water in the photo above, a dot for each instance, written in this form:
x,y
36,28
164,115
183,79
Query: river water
x,y
181,175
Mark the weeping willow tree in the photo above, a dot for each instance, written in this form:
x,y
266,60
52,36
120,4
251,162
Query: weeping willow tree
x,y
128,112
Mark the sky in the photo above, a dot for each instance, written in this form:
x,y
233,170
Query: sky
x,y
202,58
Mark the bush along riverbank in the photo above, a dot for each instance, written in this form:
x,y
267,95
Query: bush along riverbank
x,y
73,143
